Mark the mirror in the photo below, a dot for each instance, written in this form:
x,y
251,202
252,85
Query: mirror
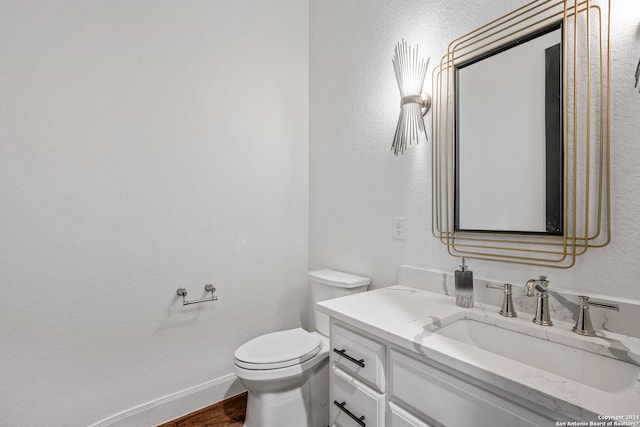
x,y
521,136
509,168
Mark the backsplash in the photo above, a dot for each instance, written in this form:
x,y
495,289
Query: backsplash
x,y
563,304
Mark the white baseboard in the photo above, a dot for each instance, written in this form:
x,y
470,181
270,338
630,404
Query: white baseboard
x,y
175,405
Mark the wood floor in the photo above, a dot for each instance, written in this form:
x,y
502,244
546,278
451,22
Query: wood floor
x,y
228,413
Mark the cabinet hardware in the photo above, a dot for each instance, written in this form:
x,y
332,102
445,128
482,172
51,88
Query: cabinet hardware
x,y
359,420
349,358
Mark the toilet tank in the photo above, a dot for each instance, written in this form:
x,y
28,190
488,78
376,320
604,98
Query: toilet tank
x,y
328,284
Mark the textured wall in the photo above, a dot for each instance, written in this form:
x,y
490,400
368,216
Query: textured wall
x,y
357,185
145,145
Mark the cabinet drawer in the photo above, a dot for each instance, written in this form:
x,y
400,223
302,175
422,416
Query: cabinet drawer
x,y
354,400
401,418
359,356
451,401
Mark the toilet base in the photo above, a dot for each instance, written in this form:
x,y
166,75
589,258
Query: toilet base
x,y
301,401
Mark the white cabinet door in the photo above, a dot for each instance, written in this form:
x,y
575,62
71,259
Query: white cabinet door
x,y
360,356
354,404
451,401
401,418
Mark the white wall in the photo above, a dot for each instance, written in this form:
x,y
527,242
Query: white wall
x,y
145,145
357,185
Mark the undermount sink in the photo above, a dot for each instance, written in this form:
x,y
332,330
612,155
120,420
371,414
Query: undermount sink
x,y
548,352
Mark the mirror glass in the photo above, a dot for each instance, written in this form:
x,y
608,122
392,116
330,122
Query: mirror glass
x,y
509,138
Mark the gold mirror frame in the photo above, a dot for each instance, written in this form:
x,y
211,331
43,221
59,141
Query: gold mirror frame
x,y
586,124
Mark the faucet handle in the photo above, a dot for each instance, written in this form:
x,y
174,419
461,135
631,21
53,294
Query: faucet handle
x,y
583,324
606,305
507,309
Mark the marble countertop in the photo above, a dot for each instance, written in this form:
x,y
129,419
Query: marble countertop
x,y
409,318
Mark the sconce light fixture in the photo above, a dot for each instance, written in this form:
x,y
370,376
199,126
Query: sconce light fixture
x,y
410,74
637,73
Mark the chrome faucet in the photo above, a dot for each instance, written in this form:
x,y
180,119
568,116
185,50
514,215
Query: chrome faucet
x,y
541,285
583,324
507,309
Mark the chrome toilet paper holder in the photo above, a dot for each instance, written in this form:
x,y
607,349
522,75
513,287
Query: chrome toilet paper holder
x,y
182,292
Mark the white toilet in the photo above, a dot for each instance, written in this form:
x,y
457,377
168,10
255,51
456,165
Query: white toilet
x,y
287,372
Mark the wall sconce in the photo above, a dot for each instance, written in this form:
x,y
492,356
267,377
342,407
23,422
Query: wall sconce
x,y
414,104
637,73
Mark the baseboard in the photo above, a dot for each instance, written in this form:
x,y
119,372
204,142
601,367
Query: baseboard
x,y
175,405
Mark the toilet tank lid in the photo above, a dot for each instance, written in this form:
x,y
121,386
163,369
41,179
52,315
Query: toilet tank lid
x,y
338,278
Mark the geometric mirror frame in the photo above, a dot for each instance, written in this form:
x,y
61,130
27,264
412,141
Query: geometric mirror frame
x,y
584,154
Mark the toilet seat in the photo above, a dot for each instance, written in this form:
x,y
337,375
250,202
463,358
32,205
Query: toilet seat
x,y
278,350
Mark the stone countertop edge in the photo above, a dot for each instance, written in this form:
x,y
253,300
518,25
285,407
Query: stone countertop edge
x,y
406,317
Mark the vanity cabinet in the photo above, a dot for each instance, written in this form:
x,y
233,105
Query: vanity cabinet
x,y
357,379
359,356
354,401
398,417
446,399
376,384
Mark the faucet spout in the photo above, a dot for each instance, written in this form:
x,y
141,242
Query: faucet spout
x,y
541,285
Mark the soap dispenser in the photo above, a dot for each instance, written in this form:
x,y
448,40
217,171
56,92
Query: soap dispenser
x,y
464,286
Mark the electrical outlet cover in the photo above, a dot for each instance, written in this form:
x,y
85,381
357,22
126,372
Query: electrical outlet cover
x,y
397,231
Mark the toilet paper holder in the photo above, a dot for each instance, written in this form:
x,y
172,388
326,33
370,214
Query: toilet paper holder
x,y
182,292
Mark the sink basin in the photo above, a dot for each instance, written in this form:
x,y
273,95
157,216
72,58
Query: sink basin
x,y
548,352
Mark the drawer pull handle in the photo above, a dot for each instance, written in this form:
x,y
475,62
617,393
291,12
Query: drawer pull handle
x,y
348,412
349,358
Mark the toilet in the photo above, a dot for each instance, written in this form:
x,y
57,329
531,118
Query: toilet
x,y
287,372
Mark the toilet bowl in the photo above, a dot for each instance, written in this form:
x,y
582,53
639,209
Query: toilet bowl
x,y
287,372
